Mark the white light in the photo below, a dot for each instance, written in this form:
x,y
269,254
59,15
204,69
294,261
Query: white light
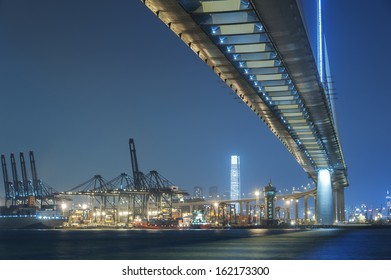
x,y
320,41
324,176
234,159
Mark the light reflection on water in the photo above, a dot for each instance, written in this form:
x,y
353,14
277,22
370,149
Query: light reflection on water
x,y
196,244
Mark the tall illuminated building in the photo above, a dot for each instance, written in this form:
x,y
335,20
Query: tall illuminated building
x,y
235,178
198,192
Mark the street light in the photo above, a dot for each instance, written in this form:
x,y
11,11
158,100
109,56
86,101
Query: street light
x,y
63,207
216,210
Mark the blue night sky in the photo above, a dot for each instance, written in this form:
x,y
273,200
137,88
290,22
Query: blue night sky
x,y
79,78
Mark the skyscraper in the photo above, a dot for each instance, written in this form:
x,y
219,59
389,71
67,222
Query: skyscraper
x,y
198,192
235,178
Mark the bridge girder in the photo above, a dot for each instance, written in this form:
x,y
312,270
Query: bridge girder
x,y
302,120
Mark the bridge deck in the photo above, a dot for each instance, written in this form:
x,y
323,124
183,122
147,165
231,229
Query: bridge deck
x,y
260,49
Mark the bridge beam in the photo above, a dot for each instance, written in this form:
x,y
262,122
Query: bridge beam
x,y
324,205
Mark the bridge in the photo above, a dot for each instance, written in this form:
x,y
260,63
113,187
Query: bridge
x,y
261,50
247,207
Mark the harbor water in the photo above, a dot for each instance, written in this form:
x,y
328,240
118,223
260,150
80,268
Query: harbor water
x,y
273,244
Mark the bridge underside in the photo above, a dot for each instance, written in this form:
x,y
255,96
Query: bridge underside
x,y
260,49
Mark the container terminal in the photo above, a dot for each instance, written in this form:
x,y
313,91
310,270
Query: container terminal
x,y
138,201
148,201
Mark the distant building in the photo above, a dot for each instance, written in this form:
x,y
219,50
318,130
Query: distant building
x,y
269,194
226,195
198,192
235,178
213,192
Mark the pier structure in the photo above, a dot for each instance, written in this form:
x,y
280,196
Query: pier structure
x,y
264,209
112,203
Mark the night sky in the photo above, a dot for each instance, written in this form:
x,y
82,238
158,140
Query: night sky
x,y
79,78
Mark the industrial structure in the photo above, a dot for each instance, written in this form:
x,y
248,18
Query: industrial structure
x,y
139,200
126,199
23,191
261,50
28,203
266,208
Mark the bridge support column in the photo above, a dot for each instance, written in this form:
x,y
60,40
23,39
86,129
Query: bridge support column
x,y
340,204
296,210
288,213
305,209
324,206
241,208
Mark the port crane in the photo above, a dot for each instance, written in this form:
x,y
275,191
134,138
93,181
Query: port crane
x,y
25,192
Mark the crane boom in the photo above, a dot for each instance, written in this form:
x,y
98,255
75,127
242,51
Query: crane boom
x,y
36,186
24,174
18,191
133,158
6,181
